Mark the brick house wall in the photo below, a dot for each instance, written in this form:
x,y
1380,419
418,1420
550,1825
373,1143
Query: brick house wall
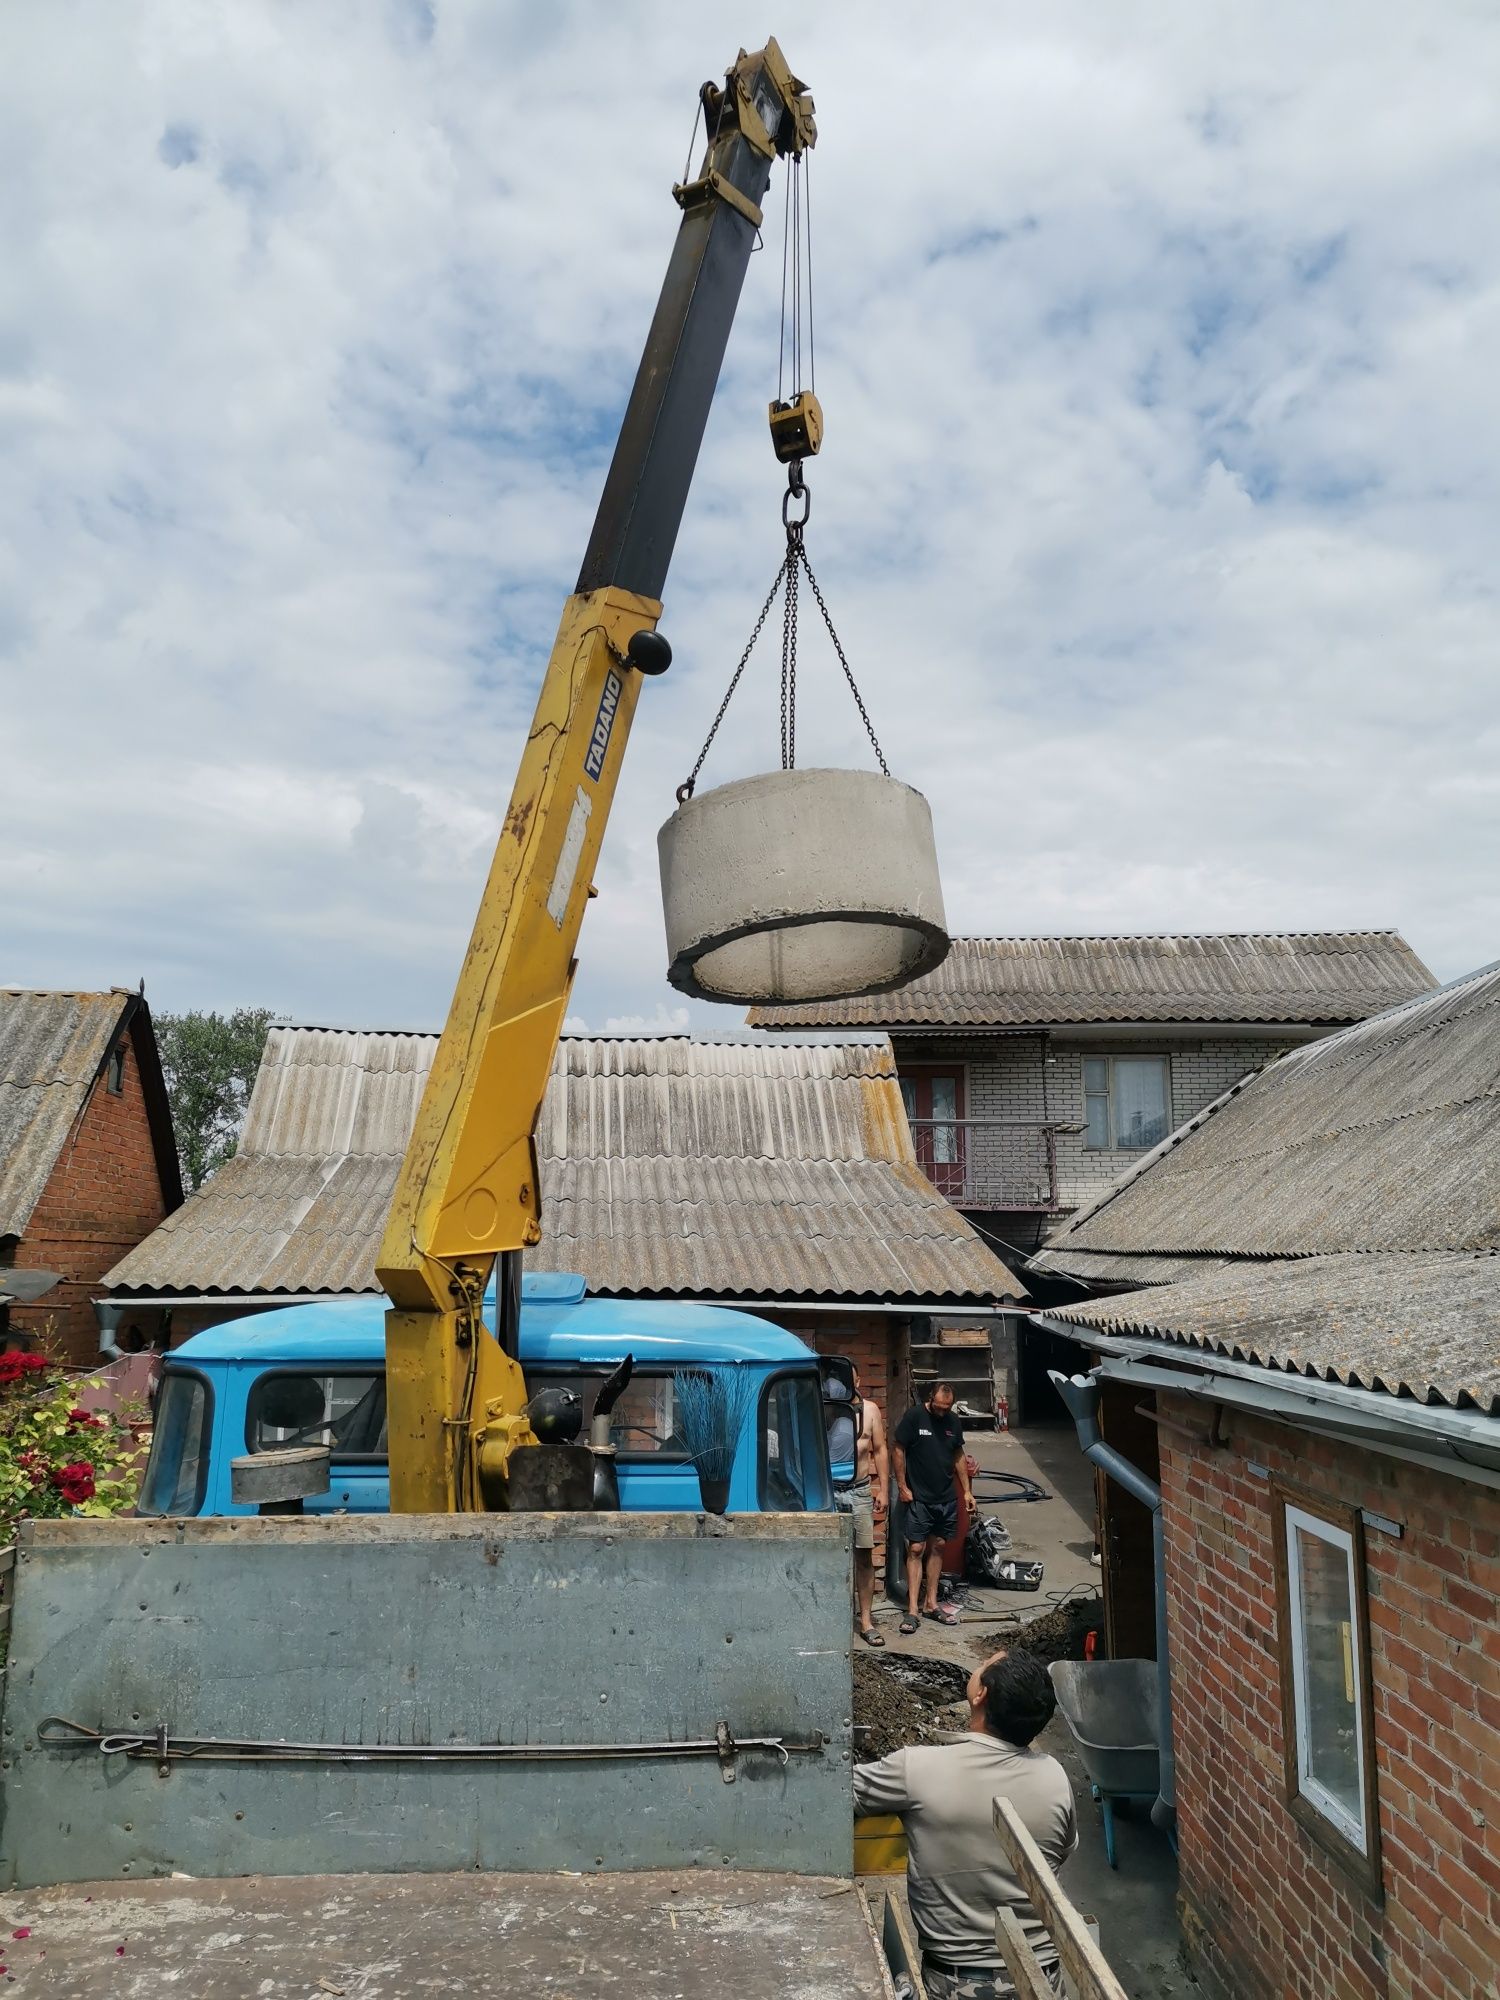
x,y
1268,1915
1008,1077
103,1196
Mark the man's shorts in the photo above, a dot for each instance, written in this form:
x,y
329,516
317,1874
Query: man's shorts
x,y
858,1501
927,1520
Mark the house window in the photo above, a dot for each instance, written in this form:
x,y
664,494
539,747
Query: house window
x,y
934,1100
114,1075
1125,1102
1325,1680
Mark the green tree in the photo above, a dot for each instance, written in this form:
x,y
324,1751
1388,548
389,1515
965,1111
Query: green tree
x,y
209,1061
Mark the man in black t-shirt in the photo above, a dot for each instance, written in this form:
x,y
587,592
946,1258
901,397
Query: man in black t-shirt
x,y
929,1452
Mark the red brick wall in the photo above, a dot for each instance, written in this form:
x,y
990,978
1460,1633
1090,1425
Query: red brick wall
x,y
1268,1914
879,1345
103,1196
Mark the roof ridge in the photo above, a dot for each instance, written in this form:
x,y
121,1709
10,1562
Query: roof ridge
x,y
322,1028
1153,937
853,1038
65,992
1343,1044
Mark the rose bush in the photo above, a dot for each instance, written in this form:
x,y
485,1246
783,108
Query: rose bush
x,y
56,1457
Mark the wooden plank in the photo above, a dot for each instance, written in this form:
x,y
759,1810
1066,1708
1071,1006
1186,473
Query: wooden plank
x,y
1082,1959
1026,1975
902,1951
877,1944
7,1560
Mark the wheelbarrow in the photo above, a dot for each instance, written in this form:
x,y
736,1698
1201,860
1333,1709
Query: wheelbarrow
x,y
1110,1709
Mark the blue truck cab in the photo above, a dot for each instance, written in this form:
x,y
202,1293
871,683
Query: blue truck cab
x,y
316,1374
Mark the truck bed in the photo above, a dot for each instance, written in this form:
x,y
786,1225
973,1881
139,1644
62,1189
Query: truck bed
x,y
689,1935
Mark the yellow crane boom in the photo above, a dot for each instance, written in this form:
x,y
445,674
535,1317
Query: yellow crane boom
x,y
469,1190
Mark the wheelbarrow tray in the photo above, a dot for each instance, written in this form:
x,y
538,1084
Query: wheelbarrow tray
x,y
1110,1709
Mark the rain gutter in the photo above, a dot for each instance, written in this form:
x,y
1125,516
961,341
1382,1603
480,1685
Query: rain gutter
x,y
916,1309
1463,1443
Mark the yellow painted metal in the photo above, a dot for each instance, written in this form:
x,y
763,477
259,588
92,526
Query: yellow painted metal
x,y
797,427
713,186
796,102
879,1844
468,1187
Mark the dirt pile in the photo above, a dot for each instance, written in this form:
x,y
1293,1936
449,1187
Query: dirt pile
x,y
900,1698
1054,1635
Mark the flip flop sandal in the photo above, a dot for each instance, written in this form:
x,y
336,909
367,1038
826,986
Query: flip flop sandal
x,y
942,1616
871,1637
909,1625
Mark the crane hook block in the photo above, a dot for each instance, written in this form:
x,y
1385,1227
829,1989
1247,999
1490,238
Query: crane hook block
x,y
797,427
648,652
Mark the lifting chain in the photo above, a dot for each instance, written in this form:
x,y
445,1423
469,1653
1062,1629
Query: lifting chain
x,y
786,585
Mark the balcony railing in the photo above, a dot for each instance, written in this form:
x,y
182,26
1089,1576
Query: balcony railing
x,y
1008,1163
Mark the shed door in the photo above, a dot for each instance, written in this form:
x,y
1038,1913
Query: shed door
x,y
1125,1526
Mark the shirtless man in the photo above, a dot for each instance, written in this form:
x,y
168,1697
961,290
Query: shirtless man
x,y
872,1476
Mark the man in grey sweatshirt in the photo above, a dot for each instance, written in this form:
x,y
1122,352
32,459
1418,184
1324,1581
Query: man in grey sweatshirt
x,y
956,1871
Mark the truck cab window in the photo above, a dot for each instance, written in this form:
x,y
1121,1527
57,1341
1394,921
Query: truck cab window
x,y
175,1472
794,1448
642,1423
345,1412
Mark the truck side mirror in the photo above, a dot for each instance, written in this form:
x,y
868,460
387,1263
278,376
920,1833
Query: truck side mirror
x,y
839,1392
843,1415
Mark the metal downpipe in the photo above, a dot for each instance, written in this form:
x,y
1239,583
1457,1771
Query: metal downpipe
x,y
109,1317
1080,1394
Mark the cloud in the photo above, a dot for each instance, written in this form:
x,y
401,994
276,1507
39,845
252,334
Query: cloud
x,y
1156,512
665,1020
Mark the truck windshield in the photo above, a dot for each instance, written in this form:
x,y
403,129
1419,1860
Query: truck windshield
x,y
794,1447
178,1463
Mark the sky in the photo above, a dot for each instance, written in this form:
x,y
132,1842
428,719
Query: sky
x,y
1157,510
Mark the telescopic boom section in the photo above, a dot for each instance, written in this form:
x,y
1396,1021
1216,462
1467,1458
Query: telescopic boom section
x,y
469,1188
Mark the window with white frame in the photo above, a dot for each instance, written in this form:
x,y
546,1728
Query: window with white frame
x,y
1126,1100
1329,1741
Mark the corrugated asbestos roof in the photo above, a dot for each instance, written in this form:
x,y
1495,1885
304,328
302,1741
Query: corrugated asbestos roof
x,y
668,1167
1314,978
52,1047
1426,1325
1385,1136
1374,1155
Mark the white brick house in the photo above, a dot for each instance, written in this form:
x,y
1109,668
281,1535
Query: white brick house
x,y
1037,1070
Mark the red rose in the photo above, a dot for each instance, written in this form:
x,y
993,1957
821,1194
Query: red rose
x,y
75,1482
14,1365
85,1420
